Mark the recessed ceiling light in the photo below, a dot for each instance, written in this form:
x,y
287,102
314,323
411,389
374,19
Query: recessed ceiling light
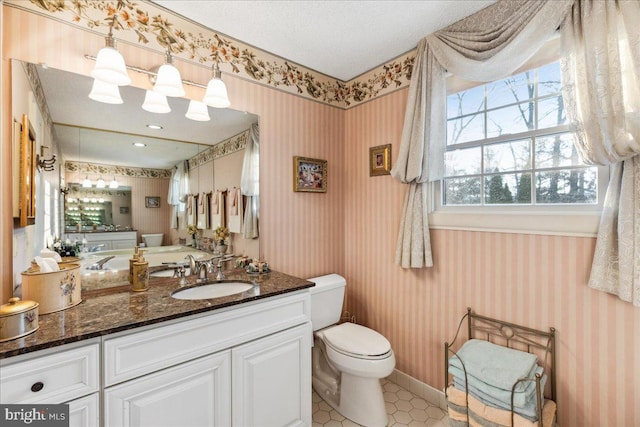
x,y
154,127
139,144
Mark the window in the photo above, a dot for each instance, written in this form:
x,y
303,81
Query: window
x,y
509,144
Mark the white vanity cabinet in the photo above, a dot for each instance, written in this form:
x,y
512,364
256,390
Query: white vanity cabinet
x,y
195,393
69,375
245,366
272,380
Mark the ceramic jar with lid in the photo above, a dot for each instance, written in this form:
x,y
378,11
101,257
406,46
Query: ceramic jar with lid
x,y
17,319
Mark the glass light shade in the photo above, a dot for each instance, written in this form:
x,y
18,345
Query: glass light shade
x,y
198,111
100,183
114,184
105,92
110,67
86,183
168,81
155,102
216,95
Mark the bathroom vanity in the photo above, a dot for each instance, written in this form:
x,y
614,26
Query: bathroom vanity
x,y
110,239
147,359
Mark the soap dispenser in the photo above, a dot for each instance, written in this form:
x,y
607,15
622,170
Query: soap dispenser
x,y
140,273
133,259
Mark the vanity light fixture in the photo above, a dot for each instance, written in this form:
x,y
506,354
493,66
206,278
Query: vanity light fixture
x,y
198,111
155,102
110,66
105,92
216,95
168,80
86,183
100,183
114,184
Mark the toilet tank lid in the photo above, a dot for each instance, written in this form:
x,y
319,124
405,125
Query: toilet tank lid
x,y
357,339
328,282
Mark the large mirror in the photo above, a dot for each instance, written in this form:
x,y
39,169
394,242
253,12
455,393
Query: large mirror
x,y
134,153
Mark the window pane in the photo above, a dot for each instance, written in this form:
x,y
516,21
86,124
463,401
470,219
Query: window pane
x,y
551,112
567,186
507,156
509,120
462,191
555,151
464,129
462,162
549,81
511,90
466,102
507,188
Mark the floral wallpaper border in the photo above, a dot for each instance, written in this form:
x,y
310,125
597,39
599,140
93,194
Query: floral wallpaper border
x,y
143,23
228,146
38,92
132,172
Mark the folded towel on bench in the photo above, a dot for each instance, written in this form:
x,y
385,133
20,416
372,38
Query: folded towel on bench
x,y
495,365
481,415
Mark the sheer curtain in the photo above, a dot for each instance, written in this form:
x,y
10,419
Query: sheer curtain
x,y
486,46
250,183
178,190
601,75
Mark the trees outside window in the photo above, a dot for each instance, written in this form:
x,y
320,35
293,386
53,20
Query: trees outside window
x,y
509,143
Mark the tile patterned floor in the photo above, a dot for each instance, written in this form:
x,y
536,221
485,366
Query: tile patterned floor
x,y
404,409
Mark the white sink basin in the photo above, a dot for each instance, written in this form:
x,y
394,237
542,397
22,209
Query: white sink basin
x,y
212,290
167,273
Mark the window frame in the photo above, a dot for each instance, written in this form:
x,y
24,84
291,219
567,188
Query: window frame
x,y
562,219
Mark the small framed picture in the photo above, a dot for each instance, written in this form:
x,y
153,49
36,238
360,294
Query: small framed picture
x,y
309,175
152,202
124,209
380,160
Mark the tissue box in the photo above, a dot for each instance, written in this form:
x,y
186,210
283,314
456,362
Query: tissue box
x,y
54,291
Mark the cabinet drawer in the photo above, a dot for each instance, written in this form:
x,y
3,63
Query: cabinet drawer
x,y
54,378
137,354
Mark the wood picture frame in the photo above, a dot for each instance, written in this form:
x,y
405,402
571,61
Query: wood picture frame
x,y
25,137
309,175
380,160
152,202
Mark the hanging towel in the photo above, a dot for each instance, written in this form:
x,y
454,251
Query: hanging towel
x,y
235,211
191,210
218,218
203,211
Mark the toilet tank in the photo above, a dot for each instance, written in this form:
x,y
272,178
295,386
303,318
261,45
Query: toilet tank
x,y
326,300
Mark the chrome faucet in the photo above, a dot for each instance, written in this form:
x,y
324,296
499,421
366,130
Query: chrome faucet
x,y
99,264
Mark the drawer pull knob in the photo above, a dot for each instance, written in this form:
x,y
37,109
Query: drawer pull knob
x,y
37,387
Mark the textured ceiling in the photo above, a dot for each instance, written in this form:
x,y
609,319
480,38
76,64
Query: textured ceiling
x,y
342,39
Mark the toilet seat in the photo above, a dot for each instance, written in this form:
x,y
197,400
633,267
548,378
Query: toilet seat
x,y
357,341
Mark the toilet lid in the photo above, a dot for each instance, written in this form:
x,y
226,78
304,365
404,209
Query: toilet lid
x,y
356,339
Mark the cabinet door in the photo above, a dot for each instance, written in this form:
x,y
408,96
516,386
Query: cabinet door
x,y
272,379
85,412
194,394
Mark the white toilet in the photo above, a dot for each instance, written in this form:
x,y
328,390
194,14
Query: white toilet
x,y
348,359
152,239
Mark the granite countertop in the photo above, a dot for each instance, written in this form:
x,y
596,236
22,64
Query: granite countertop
x,y
119,309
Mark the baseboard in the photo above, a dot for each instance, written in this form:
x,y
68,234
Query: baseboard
x,y
420,389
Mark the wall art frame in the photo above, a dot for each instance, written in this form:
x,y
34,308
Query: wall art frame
x,y
152,202
309,175
380,160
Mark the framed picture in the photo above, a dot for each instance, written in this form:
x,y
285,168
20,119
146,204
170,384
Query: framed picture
x,y
125,209
152,202
309,175
380,160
